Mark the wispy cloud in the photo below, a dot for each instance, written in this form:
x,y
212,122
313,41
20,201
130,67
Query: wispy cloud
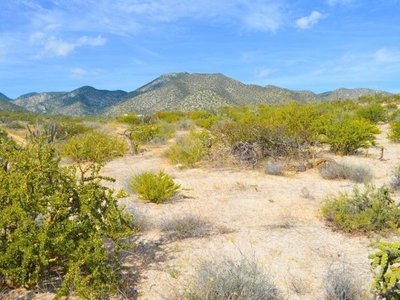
x,y
264,73
309,21
340,2
78,73
54,46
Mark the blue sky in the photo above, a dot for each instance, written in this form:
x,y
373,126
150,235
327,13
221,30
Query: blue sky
x,y
60,45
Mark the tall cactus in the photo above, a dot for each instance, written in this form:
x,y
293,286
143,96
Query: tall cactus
x,y
386,262
50,131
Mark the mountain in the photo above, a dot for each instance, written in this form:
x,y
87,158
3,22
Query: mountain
x,y
80,102
184,91
173,91
343,93
4,97
6,105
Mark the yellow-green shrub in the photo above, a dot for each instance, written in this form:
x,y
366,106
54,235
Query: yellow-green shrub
x,y
154,187
362,211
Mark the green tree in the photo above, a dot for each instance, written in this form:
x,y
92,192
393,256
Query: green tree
x,y
50,221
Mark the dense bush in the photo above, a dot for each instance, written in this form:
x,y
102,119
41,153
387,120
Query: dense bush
x,y
345,135
362,211
373,112
394,131
228,279
52,223
154,187
189,149
91,150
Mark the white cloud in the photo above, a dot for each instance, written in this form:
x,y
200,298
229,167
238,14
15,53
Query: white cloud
x,y
309,21
339,2
264,73
90,41
58,47
54,46
268,17
385,56
78,73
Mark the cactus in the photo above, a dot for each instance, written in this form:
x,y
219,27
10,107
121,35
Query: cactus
x,y
51,132
386,262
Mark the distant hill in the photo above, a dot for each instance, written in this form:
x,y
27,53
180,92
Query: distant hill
x,y
82,101
6,105
172,91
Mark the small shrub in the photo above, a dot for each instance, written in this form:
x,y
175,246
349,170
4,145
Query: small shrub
x,y
274,168
228,279
187,151
363,211
359,174
394,131
154,187
188,226
341,284
185,124
395,182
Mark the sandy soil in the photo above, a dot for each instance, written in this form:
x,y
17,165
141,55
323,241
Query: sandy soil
x,y
272,220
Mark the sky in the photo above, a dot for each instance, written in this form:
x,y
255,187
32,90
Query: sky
x,y
61,45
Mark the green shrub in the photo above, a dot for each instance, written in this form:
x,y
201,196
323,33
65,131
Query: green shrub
x,y
154,187
228,279
374,113
91,150
359,174
346,135
394,131
170,116
131,119
188,150
371,210
52,222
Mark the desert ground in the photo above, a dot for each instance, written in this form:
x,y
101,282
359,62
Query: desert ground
x,y
271,220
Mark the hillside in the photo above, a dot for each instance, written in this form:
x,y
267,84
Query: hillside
x,y
172,91
82,101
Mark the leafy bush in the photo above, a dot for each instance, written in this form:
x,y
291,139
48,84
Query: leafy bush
x,y
359,174
346,135
91,150
154,187
373,112
51,222
363,211
188,149
228,279
394,131
340,283
131,119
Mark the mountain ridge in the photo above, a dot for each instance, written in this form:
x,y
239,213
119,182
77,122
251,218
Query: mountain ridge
x,y
172,91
